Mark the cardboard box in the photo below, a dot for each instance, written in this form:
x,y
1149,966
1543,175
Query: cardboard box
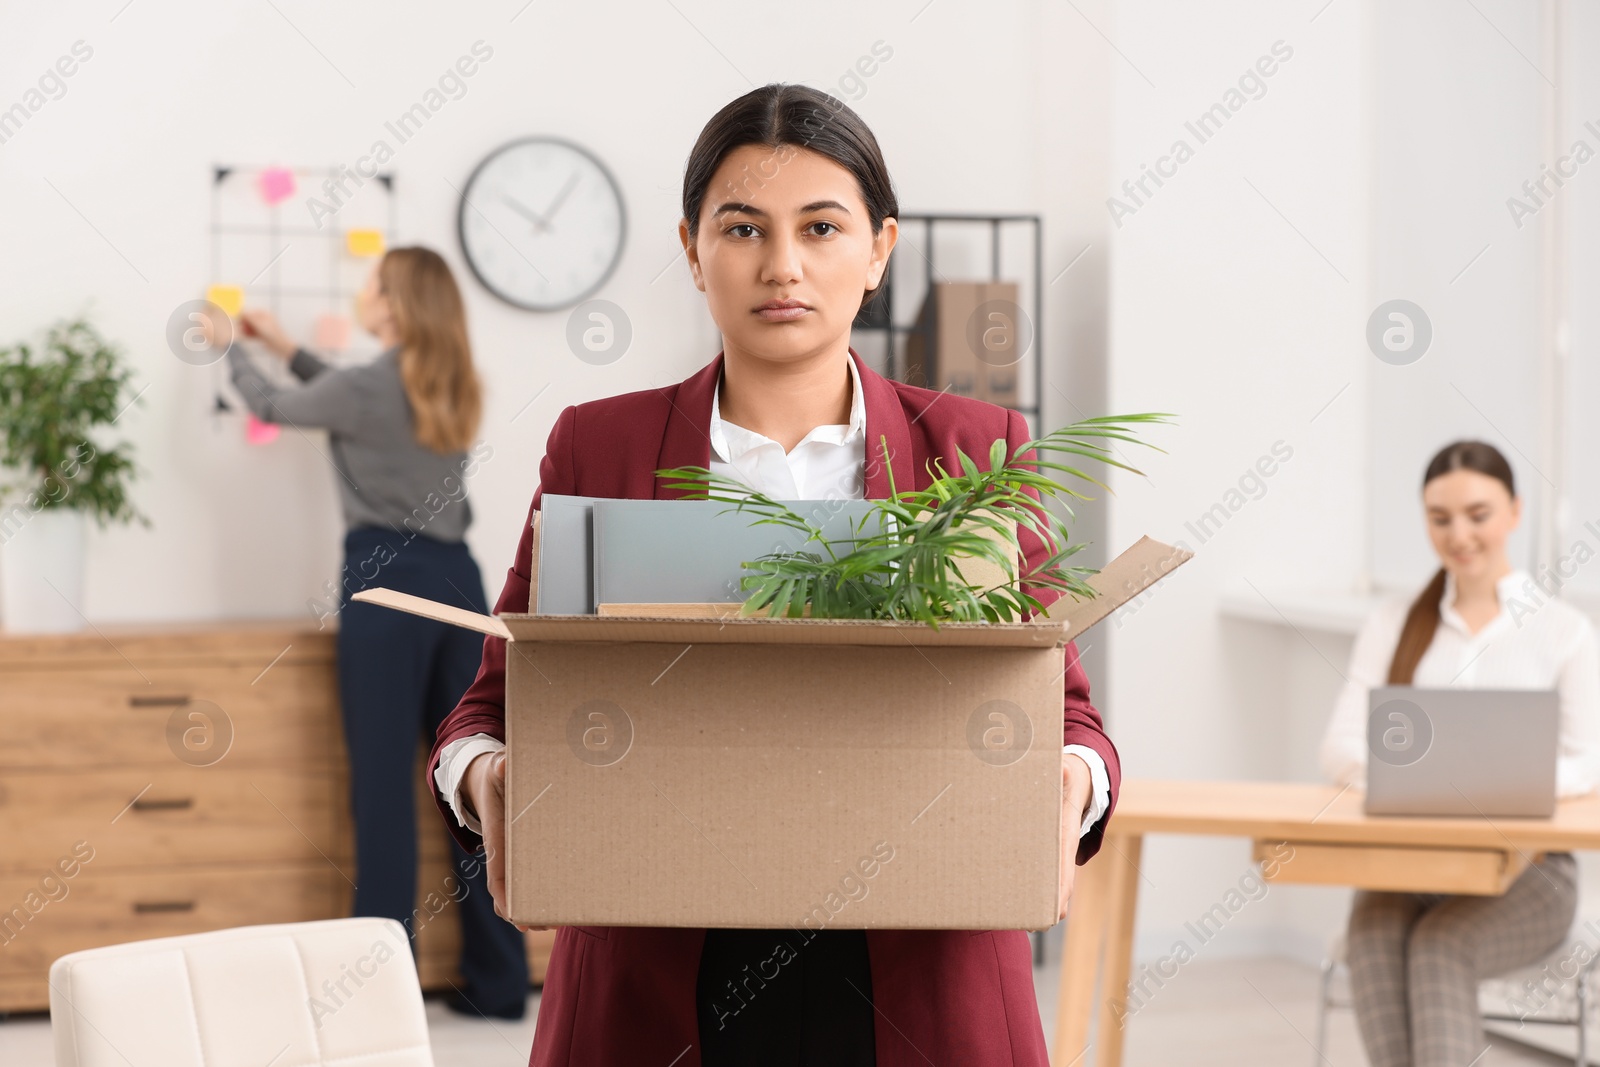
x,y
767,773
970,341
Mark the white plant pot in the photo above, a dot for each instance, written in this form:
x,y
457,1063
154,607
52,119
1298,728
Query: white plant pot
x,y
41,570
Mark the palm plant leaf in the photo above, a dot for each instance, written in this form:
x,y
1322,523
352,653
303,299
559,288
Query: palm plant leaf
x,y
906,565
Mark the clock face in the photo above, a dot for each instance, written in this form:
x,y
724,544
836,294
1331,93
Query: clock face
x,y
541,223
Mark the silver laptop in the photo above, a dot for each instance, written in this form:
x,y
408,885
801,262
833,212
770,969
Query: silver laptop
x,y
1482,752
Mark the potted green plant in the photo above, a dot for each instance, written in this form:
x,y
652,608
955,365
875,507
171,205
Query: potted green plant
x,y
903,560
54,474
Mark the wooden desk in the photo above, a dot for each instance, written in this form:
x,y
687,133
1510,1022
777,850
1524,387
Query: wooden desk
x,y
1307,834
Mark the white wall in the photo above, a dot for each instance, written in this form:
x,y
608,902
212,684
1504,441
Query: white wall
x,y
1070,117
1458,131
1579,200
1239,291
170,89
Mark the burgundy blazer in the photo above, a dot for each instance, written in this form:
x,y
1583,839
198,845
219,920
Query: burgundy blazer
x,y
626,995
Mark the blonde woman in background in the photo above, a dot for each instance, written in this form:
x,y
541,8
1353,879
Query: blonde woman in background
x,y
399,433
1416,958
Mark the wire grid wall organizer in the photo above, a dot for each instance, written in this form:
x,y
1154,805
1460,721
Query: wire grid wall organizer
x,y
291,260
937,248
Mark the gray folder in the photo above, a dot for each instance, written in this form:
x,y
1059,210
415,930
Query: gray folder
x,y
691,551
566,555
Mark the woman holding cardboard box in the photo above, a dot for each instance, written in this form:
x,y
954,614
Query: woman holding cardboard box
x,y
399,432
788,224
1416,958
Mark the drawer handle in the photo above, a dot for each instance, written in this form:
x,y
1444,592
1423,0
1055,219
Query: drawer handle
x,y
152,907
158,804
159,701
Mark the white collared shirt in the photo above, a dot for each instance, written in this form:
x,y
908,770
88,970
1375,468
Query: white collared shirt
x,y
1533,642
827,464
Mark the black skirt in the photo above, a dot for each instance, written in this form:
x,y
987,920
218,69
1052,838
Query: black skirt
x,y
785,998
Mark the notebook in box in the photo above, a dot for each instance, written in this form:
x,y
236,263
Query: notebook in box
x,y
691,551
566,558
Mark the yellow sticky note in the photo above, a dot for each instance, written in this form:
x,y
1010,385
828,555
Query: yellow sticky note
x,y
229,298
364,242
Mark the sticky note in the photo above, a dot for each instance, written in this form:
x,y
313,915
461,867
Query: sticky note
x,y
364,242
257,432
229,298
277,184
333,332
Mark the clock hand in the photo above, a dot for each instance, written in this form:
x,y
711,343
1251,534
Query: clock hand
x,y
527,213
550,211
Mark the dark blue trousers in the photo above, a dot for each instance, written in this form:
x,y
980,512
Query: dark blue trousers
x,y
399,676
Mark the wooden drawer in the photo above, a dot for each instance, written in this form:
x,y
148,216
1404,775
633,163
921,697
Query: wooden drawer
x,y
171,816
247,839
252,643
103,907
287,716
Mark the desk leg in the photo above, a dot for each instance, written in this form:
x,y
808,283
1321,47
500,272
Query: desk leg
x,y
1080,958
1099,929
1119,948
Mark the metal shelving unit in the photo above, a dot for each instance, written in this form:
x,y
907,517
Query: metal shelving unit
x,y
880,315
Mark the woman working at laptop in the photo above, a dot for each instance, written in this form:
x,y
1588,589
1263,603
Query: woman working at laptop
x,y
1416,958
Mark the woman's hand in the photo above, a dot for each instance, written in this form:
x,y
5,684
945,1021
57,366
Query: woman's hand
x,y
485,790
215,327
1076,783
263,325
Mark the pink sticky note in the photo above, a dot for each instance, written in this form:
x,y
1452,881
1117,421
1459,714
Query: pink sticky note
x,y
257,432
277,184
333,332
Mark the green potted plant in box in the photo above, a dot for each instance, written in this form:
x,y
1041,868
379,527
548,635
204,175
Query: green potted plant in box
x,y
54,474
903,560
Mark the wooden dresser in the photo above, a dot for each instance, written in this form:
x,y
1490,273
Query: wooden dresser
x,y
173,779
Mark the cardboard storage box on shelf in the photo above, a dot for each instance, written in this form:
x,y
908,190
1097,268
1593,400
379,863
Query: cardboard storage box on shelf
x,y
967,341
767,773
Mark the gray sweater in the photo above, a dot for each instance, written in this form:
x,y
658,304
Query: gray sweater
x,y
386,479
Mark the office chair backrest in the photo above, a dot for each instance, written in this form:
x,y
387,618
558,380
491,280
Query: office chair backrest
x,y
338,991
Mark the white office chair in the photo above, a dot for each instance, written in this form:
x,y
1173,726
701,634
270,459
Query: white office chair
x,y
1565,1003
343,991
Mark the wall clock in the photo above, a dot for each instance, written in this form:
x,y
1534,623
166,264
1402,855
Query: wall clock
x,y
541,223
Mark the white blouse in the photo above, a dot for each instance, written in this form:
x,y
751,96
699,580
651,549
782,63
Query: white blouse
x,y
1534,642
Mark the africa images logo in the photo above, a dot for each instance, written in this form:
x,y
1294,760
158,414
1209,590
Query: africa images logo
x,y
1399,733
